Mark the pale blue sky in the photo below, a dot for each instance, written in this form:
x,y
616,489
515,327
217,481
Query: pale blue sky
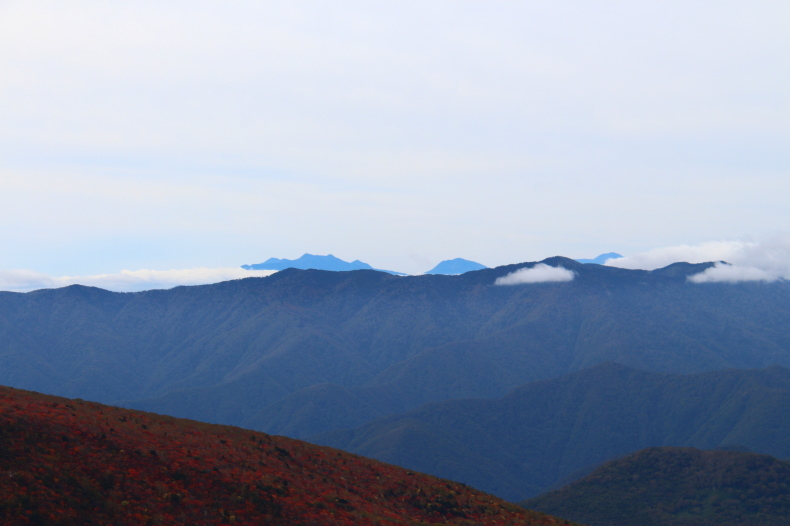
x,y
174,135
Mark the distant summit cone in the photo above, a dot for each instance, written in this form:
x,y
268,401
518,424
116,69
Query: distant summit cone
x,y
600,260
456,266
310,261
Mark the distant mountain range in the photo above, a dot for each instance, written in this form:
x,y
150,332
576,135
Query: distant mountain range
x,y
226,352
542,432
330,262
600,260
307,352
456,266
668,486
310,261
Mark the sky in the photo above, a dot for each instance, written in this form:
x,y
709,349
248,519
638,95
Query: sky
x,y
189,138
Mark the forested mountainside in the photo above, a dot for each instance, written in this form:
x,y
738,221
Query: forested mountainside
x,y
70,462
524,443
346,347
677,487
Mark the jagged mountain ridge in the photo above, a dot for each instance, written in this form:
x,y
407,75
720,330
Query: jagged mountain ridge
x,y
314,262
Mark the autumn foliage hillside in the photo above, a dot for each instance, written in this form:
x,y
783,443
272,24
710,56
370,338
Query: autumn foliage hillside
x,y
71,462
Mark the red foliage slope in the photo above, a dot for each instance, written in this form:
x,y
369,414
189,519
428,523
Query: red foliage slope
x,y
69,462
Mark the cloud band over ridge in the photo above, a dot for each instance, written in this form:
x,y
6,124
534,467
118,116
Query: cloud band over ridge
x,y
736,261
540,273
726,273
126,280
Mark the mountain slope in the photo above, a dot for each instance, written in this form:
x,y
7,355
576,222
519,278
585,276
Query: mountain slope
x,y
69,462
677,487
240,352
522,444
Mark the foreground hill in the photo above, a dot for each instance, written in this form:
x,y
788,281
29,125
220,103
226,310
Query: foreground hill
x,y
678,487
539,434
296,352
69,462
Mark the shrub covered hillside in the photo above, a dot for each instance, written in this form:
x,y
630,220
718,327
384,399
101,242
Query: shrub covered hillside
x,y
71,462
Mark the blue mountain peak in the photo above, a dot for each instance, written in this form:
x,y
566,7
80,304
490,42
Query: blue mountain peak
x,y
456,266
311,261
600,260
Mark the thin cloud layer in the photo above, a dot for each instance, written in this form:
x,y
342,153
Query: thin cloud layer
x,y
126,280
540,273
723,272
661,257
736,260
21,280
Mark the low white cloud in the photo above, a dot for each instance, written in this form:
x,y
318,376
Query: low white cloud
x,y
540,273
126,280
723,272
661,257
19,280
736,261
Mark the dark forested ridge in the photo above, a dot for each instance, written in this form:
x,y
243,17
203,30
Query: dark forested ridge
x,y
677,487
306,351
539,434
70,463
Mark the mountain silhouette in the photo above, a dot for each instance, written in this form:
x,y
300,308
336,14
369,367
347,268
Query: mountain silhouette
x,y
600,260
456,266
310,261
